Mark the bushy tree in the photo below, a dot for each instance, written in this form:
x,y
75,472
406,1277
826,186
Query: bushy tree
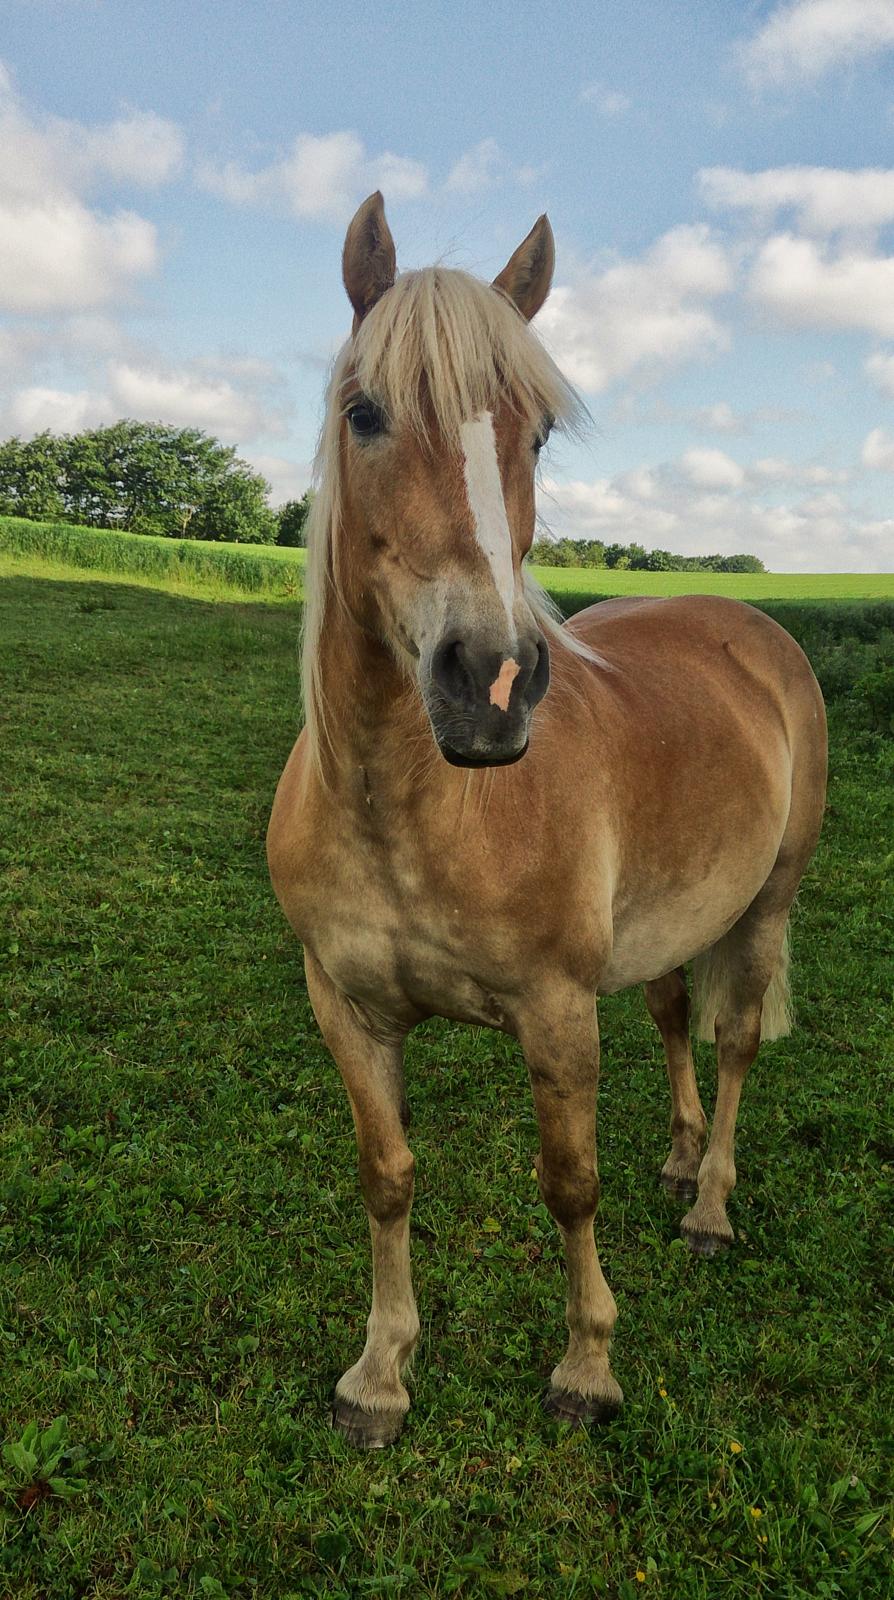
x,y
740,563
655,561
146,477
31,477
234,508
291,521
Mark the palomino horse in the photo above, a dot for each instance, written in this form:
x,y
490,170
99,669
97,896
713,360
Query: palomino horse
x,y
667,804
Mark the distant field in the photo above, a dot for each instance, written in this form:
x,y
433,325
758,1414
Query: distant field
x,y
601,581
267,572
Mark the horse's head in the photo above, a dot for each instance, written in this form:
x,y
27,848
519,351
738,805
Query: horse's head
x,y
442,400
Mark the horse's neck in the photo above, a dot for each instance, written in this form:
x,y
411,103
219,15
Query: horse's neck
x,y
373,718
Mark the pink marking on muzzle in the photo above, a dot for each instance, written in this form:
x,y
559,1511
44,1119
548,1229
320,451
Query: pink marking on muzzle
x,y
501,688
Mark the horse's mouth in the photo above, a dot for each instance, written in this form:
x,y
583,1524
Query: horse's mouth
x,y
457,759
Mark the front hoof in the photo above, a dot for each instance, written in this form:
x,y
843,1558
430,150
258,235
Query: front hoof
x,y
685,1189
704,1242
366,1430
574,1409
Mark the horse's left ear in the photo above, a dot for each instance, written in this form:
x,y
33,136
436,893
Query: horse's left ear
x,y
528,273
369,262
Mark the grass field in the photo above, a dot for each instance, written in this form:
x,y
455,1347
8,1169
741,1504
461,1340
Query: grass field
x,y
185,1265
268,571
754,586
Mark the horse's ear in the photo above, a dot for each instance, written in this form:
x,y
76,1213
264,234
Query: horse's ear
x,y
528,273
369,263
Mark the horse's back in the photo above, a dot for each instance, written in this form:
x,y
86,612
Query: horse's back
x,y
699,644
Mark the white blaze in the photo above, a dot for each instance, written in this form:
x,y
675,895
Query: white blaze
x,y
485,491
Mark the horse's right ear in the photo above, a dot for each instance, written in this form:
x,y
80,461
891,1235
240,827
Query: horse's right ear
x,y
369,262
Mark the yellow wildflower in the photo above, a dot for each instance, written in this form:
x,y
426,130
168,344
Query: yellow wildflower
x,y
756,1512
640,1575
735,1447
663,1393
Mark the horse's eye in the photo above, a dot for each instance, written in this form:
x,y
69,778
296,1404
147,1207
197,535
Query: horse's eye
x,y
366,420
542,434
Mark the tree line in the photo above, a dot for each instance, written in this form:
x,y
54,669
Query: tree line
x,y
145,477
149,477
596,553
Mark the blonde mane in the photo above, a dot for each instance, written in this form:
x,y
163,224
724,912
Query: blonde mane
x,y
440,345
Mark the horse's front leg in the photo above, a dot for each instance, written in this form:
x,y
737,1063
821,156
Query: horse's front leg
x,y
560,1040
371,1401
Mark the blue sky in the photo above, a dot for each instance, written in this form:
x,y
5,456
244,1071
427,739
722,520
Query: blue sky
x,y
175,182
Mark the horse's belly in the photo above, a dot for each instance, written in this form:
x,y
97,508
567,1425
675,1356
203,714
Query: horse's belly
x,y
655,934
648,952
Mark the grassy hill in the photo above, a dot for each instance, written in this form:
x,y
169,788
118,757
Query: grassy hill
x,y
266,571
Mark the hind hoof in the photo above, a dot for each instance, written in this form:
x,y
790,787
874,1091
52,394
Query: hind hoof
x,y
563,1405
366,1430
685,1189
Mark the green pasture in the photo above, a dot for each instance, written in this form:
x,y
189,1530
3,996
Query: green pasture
x,y
600,582
185,1260
270,571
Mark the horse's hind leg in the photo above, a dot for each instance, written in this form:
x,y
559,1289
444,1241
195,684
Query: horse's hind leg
x,y
371,1401
668,1001
560,1041
738,973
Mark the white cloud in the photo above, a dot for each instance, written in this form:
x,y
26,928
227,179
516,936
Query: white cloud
x,y
824,199
189,397
800,42
639,315
58,254
62,411
323,177
820,533
19,349
610,510
712,469
234,398
288,479
878,452
719,418
773,469
52,156
610,103
485,166
140,148
803,285
479,168
879,368
632,410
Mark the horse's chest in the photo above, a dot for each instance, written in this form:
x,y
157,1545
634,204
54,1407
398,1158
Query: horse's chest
x,y
387,940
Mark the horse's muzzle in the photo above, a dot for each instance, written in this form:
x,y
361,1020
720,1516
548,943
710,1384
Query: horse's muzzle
x,y
480,700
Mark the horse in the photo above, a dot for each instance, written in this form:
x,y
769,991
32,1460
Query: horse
x,y
495,818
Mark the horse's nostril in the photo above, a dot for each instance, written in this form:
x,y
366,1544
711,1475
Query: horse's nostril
x,y
540,676
451,674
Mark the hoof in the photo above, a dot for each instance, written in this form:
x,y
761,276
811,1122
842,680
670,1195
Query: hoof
x,y
705,1244
566,1406
366,1430
679,1188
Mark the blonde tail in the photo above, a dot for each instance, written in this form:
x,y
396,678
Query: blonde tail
x,y
711,987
